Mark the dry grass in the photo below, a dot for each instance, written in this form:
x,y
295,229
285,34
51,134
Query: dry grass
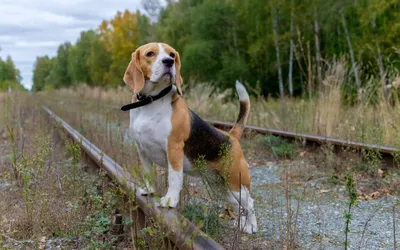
x,y
107,129
51,195
94,112
325,114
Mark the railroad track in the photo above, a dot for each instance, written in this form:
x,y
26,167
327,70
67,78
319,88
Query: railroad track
x,y
192,237
388,154
181,232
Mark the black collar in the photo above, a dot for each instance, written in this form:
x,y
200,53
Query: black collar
x,y
144,100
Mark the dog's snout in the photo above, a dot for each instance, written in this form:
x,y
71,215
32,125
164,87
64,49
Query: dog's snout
x,y
168,62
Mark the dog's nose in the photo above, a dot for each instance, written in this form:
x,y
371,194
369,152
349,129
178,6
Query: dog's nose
x,y
168,62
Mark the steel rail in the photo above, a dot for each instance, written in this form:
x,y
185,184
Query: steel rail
x,y
183,233
307,137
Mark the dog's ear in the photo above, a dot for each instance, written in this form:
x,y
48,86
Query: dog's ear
x,y
178,73
134,76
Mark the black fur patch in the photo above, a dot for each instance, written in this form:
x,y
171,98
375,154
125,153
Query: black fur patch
x,y
204,140
242,112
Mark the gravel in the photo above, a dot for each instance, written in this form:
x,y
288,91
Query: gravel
x,y
320,222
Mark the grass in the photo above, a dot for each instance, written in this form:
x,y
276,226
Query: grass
x,y
49,173
60,198
49,194
208,221
352,192
372,119
279,146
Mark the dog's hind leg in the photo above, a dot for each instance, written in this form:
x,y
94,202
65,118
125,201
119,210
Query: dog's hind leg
x,y
243,205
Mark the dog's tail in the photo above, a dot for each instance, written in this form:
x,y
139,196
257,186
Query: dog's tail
x,y
241,121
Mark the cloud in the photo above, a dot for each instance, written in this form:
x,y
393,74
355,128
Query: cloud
x,y
38,44
31,28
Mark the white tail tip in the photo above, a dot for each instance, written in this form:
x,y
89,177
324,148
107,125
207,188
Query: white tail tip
x,y
241,90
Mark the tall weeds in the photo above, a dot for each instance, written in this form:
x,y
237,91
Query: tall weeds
x,y
336,110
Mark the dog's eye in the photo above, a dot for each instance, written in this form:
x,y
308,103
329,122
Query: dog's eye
x,y
150,54
172,55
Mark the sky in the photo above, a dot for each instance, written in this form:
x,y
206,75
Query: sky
x,y
31,28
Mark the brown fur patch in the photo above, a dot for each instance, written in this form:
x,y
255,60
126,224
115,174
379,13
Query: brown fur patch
x,y
238,172
180,121
145,61
133,76
244,112
139,68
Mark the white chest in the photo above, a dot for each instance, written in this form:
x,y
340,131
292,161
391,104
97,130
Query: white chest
x,y
150,126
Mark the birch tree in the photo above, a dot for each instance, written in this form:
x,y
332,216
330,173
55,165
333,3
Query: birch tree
x,y
318,56
379,55
353,61
276,39
290,77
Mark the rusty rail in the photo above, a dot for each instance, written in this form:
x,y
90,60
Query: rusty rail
x,y
183,233
386,151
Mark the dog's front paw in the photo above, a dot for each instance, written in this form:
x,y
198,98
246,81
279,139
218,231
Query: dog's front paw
x,y
145,191
169,200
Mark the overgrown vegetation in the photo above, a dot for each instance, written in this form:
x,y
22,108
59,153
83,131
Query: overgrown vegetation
x,y
324,115
352,193
95,118
46,192
207,219
279,146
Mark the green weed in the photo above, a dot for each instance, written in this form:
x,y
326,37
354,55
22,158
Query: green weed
x,y
279,146
205,218
352,192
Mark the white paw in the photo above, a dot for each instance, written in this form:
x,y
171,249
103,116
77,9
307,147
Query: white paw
x,y
145,191
248,224
253,221
169,200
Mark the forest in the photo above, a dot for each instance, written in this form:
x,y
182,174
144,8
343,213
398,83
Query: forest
x,y
10,76
279,48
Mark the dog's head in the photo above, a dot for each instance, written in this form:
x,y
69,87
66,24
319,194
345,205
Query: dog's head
x,y
153,67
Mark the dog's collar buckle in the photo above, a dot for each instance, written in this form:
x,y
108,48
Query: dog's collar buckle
x,y
140,97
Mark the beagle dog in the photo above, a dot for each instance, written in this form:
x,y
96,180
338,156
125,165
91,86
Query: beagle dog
x,y
169,134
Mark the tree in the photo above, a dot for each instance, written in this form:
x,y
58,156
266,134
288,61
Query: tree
x,y
290,77
78,57
42,69
60,75
275,31
98,64
220,41
353,61
13,73
9,75
120,37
